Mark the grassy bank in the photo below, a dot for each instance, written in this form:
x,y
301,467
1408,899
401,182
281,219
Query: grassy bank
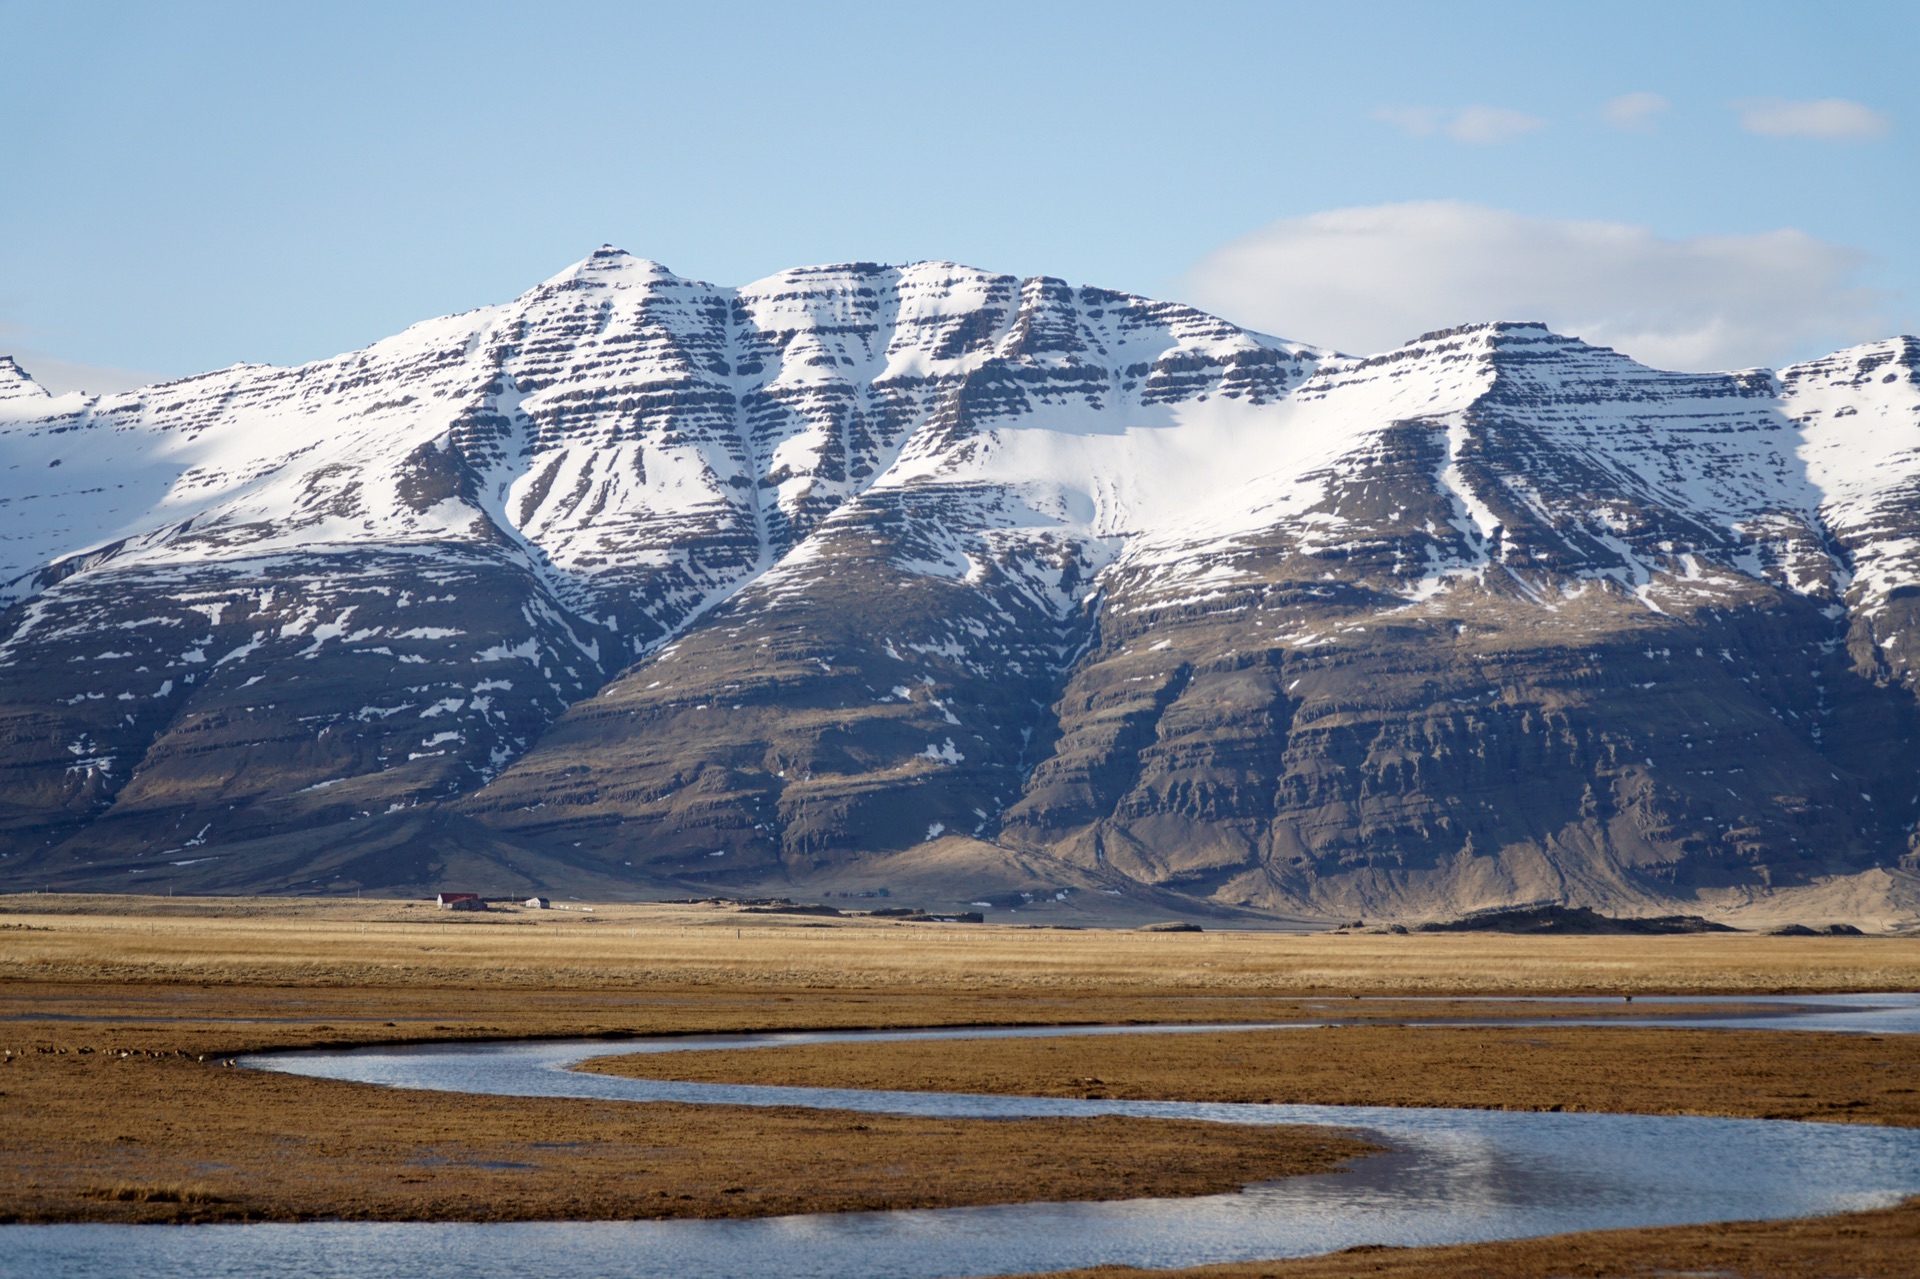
x,y
1744,1074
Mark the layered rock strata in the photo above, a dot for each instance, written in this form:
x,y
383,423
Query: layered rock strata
x,y
641,583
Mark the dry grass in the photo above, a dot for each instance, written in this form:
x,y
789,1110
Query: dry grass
x,y
215,977
144,1193
1848,1078
101,1137
379,943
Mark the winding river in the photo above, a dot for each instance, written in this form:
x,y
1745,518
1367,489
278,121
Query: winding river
x,y
1452,1176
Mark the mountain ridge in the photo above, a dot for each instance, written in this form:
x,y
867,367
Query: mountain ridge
x,y
897,532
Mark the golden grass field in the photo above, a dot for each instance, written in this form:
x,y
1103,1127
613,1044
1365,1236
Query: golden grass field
x,y
1632,1069
169,981
335,941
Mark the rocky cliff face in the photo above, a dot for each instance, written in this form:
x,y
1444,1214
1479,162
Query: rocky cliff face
x,y
637,583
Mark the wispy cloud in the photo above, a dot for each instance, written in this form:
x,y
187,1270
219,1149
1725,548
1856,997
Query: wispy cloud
x,y
1368,279
1636,112
1415,122
1486,126
1832,119
1478,126
61,376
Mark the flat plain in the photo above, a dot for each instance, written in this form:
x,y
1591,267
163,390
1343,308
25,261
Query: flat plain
x,y
697,946
142,1000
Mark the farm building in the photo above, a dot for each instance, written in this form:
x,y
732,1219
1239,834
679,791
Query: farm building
x,y
459,901
536,903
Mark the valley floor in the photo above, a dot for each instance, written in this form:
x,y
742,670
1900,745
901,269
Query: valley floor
x,y
158,1134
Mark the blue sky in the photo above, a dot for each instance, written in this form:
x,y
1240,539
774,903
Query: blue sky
x,y
192,185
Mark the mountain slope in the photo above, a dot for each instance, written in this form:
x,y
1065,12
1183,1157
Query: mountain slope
x,y
640,581
1570,634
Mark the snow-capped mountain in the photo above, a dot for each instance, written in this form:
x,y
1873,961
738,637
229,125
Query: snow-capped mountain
x,y
637,581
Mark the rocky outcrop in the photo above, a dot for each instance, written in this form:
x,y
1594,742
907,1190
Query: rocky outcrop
x,y
647,583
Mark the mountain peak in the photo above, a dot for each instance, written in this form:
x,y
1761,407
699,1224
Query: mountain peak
x,y
17,384
1494,330
607,263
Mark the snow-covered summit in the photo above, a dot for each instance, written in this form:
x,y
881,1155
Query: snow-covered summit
x,y
610,264
17,384
631,435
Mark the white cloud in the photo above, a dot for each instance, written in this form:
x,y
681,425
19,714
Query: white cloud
x,y
1635,112
1481,126
1834,119
1368,279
